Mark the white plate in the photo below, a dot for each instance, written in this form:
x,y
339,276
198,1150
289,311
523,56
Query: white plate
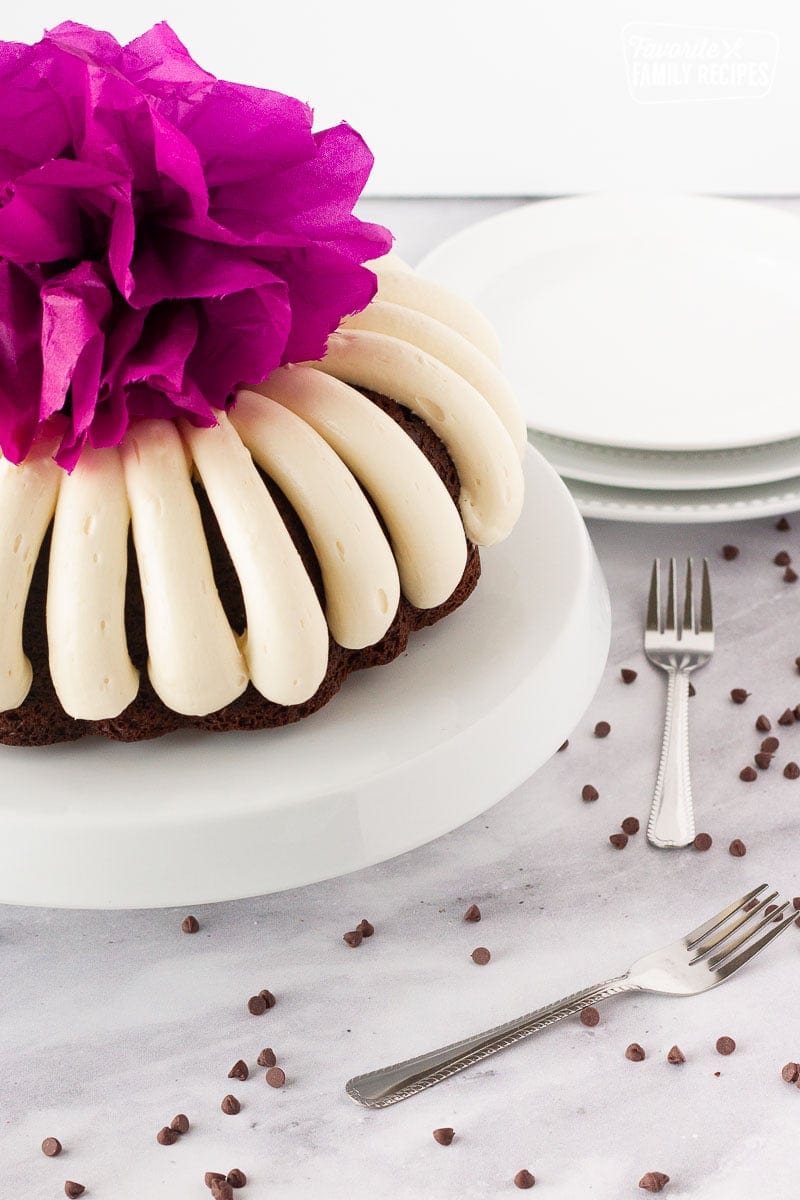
x,y
403,754
676,471
663,323
686,508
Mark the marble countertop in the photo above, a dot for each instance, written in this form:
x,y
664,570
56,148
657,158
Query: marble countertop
x,y
110,1023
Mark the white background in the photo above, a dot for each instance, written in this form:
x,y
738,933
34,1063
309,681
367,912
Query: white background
x,y
514,97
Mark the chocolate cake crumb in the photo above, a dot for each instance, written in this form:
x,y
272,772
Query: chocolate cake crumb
x,y
480,955
729,553
630,825
230,1106
444,1136
275,1077
619,840
472,914
725,1045
739,695
628,675
763,723
602,729
589,793
190,924
523,1179
654,1181
267,1057
589,1016
635,1053
353,937
675,1056
702,841
239,1071
737,848
51,1147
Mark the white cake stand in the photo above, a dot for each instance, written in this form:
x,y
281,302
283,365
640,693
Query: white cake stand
x,y
403,754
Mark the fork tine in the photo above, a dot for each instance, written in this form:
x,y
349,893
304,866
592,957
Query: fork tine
x,y
721,935
670,619
654,600
706,617
726,951
755,948
688,602
707,927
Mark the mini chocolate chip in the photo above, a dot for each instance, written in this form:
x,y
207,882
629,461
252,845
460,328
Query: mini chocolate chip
x,y
702,841
796,903
236,1178
786,717
589,792
602,729
751,904
790,575
268,998
275,1077
725,1045
763,723
472,914
444,1136
628,675
762,760
256,1005
221,1190
782,558
782,525
353,938
739,695
737,848
589,1016
748,774
267,1057
239,1071
675,1056
230,1106
635,1053
167,1136
619,840
791,770
190,924
796,711
630,825
654,1181
212,1177
73,1189
365,927
51,1147
729,553
797,662
480,955
770,745
692,689
564,745
791,1072
770,909
523,1179
180,1123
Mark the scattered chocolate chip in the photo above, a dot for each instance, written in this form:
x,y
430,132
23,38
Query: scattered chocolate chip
x,y
791,1072
797,662
654,1181
751,904
635,1053
796,711
602,729
236,1178
737,848
763,723
703,841
523,1179
748,774
790,575
221,1190
782,525
717,1074
230,1106
782,558
256,1005
564,745
480,955
725,1045
770,745
444,1136
365,927
729,553
791,770
275,1077
630,825
472,914
167,1136
180,1123
239,1071
212,1177
353,938
770,909
675,1056
73,1189
267,1057
796,903
619,840
692,689
739,695
589,792
51,1147
590,1016
268,998
786,717
628,675
762,760
190,924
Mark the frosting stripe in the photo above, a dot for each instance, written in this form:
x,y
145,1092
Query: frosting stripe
x,y
194,663
424,527
89,661
362,586
286,643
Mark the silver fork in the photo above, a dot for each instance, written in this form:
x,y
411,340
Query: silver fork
x,y
703,958
678,646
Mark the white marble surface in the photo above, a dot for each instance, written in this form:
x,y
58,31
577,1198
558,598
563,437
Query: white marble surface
x,y
111,1023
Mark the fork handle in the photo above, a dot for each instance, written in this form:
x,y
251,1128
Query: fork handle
x,y
379,1089
671,821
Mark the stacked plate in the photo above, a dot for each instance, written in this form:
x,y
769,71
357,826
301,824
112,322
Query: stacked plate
x,y
654,343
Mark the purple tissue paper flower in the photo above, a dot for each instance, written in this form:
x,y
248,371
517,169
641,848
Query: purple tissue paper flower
x,y
164,237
